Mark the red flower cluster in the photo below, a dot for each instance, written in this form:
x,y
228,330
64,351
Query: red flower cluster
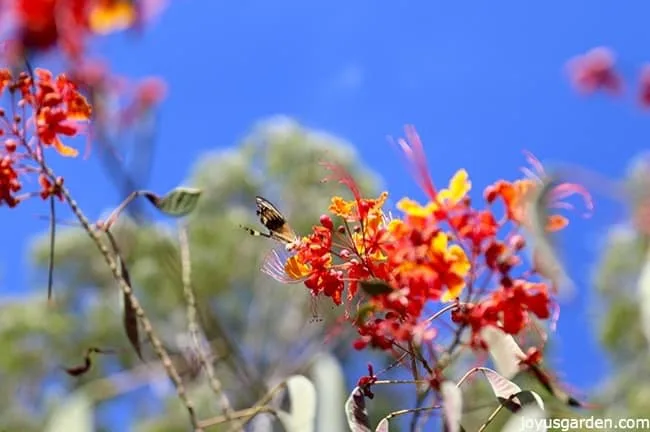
x,y
434,253
44,108
596,70
42,24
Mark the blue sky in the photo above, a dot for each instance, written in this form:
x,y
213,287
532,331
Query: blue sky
x,y
480,80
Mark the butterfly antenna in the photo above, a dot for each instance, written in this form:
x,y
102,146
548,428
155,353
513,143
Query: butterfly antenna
x,y
254,232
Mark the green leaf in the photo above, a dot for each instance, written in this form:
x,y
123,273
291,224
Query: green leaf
x,y
75,414
302,395
375,287
364,312
178,202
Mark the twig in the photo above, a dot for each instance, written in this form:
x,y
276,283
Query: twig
x,y
112,218
261,403
489,419
443,310
128,292
193,325
248,412
122,382
50,269
408,411
124,286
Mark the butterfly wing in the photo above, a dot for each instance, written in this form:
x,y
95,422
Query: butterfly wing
x,y
274,221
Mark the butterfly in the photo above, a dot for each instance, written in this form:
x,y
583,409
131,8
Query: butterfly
x,y
275,222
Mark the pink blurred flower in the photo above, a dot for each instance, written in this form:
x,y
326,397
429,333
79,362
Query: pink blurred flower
x,y
595,71
147,94
150,91
644,86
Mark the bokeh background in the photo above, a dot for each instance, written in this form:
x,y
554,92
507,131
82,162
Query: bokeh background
x,y
258,93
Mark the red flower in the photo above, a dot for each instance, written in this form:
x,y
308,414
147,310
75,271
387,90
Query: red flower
x,y
644,86
9,183
514,301
44,23
476,317
49,189
595,71
59,107
430,254
515,195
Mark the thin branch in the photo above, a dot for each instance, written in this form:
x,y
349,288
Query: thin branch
x,y
245,413
193,325
260,404
123,382
443,310
124,286
50,269
128,292
492,417
391,381
409,411
115,214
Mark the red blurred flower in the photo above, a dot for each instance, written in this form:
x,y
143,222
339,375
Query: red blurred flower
x,y
595,71
43,24
644,86
515,196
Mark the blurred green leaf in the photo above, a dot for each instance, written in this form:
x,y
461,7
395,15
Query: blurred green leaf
x,y
375,287
75,414
178,202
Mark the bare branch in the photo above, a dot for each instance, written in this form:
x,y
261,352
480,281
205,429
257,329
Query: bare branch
x,y
193,326
128,292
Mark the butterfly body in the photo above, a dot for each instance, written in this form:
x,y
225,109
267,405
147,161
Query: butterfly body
x,y
275,222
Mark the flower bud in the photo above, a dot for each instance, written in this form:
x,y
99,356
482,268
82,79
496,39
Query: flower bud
x,y
490,194
326,221
11,145
517,242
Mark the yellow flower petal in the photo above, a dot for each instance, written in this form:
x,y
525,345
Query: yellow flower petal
x,y
459,186
106,17
452,292
439,243
461,264
415,209
395,226
63,149
379,202
296,269
341,207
